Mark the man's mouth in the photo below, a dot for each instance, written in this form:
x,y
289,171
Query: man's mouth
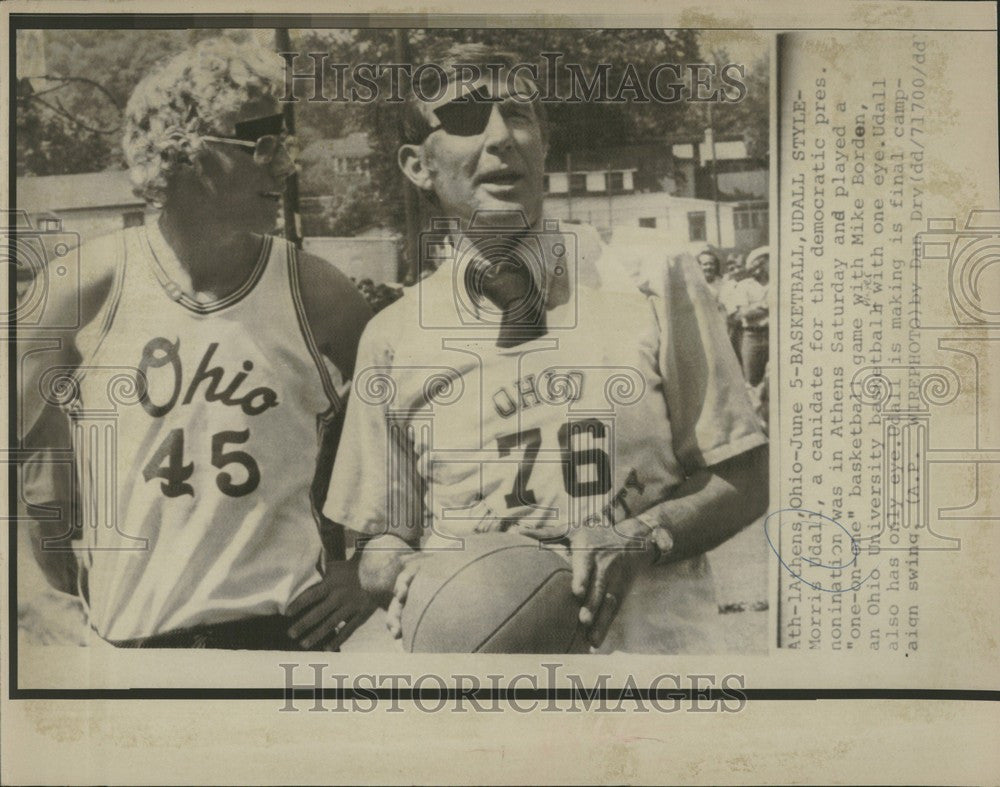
x,y
500,178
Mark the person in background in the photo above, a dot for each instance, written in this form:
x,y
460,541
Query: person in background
x,y
708,261
752,313
734,273
722,287
734,269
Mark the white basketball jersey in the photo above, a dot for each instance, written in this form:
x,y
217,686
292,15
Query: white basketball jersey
x,y
585,426
555,433
448,434
197,431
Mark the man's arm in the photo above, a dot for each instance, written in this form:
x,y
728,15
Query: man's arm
x,y
48,486
72,301
710,506
335,314
716,439
385,557
335,311
707,508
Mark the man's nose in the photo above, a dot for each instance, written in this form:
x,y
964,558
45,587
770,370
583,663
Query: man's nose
x,y
497,133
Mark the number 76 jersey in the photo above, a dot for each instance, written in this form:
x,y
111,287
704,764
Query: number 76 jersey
x,y
581,427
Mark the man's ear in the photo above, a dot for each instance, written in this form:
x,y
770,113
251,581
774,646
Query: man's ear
x,y
189,178
411,161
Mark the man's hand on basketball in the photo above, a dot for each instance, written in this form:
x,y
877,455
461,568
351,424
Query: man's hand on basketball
x,y
394,615
388,565
327,613
605,560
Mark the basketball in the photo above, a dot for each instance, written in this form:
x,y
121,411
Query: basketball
x,y
498,593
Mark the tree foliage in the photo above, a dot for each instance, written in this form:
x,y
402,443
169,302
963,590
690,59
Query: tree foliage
x,y
50,144
572,125
749,118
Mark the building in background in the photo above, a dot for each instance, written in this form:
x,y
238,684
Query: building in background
x,y
338,222
90,204
741,177
348,155
668,186
654,185
334,173
686,224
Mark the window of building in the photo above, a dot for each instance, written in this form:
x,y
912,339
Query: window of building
x,y
648,221
545,183
133,218
750,218
696,226
578,182
614,181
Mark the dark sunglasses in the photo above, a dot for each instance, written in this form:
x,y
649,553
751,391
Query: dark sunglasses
x,y
265,136
467,116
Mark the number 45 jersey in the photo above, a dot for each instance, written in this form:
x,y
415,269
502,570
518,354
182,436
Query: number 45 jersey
x,y
448,434
196,492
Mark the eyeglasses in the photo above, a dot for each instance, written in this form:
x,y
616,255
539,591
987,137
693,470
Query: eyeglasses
x,y
266,136
466,117
469,115
265,148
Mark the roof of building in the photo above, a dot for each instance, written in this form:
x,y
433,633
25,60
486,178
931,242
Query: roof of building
x,y
641,155
725,149
55,193
617,158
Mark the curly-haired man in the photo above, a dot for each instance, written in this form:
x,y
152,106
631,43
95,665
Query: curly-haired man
x,y
201,526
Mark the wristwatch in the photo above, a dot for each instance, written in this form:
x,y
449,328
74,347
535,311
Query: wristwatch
x,y
659,535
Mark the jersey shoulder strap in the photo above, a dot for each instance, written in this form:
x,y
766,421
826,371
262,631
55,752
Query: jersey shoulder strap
x,y
293,266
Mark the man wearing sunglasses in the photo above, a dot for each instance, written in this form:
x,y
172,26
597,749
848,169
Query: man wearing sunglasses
x,y
237,350
518,435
